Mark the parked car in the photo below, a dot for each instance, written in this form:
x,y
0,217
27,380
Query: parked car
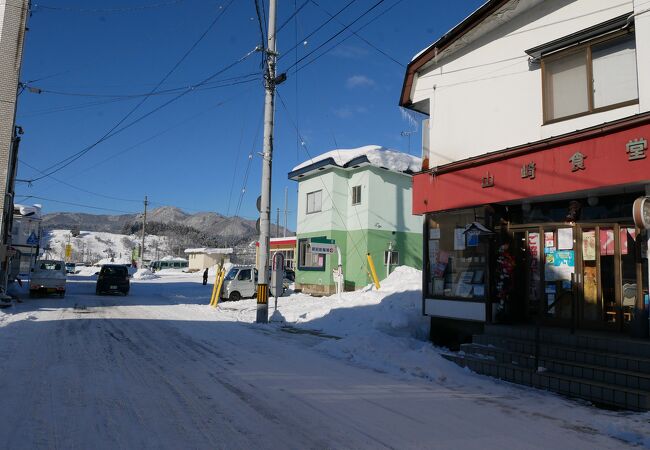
x,y
241,282
47,277
113,278
70,268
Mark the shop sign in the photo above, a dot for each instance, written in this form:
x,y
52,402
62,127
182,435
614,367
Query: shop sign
x,y
577,162
528,171
636,148
487,181
322,248
641,212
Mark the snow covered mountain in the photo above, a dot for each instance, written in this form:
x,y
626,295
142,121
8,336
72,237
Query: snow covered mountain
x,y
212,226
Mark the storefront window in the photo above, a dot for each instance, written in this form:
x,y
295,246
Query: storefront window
x,y
457,265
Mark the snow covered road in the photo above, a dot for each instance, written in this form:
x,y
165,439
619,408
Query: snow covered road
x,y
159,369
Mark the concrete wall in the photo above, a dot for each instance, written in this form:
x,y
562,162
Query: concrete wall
x,y
484,96
12,32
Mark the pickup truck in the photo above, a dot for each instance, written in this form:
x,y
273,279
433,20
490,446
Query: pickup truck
x,y
47,277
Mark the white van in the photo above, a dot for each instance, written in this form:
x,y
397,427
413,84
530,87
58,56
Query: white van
x,y
240,282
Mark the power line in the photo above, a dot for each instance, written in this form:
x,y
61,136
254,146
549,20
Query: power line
x,y
362,38
78,106
38,90
81,205
348,37
318,28
70,159
81,189
67,161
107,10
294,14
365,13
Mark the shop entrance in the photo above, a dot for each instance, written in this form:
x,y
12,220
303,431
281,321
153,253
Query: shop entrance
x,y
584,275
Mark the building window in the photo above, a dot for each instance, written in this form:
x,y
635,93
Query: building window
x,y
458,261
593,77
314,201
308,260
391,257
356,195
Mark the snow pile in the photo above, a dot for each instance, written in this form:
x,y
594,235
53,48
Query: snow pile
x,y
377,156
122,261
33,211
144,274
210,251
382,329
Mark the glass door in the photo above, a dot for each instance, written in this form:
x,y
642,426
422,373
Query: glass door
x,y
559,274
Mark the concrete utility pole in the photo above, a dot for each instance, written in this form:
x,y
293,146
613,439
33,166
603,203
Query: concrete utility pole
x,y
144,225
13,21
265,203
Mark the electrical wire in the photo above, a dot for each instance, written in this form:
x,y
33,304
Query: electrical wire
x,y
318,28
331,38
361,37
38,6
81,205
297,69
295,12
69,160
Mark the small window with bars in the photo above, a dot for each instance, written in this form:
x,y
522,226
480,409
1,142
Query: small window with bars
x,y
356,195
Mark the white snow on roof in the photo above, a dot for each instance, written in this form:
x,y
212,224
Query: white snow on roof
x,y
210,251
26,210
377,156
172,258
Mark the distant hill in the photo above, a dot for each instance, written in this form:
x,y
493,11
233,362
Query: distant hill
x,y
200,229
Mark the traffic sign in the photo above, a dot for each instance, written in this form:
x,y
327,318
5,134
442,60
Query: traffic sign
x,y
32,239
322,248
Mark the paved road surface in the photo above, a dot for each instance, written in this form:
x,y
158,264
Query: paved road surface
x,y
92,372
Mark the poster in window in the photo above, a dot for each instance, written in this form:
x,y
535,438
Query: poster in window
x,y
434,233
478,276
438,286
565,238
479,290
459,239
549,239
627,239
464,290
472,238
589,245
606,241
559,265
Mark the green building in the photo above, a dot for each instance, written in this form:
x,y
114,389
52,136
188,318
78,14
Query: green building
x,y
361,200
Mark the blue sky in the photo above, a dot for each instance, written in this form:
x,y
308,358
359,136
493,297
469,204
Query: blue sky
x,y
93,61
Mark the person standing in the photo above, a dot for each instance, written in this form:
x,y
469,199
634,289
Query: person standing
x,y
205,277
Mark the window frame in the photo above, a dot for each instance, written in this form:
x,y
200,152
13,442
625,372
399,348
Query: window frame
x,y
585,47
320,207
355,196
298,261
394,255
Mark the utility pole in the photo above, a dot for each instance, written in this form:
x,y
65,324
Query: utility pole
x,y
265,202
13,24
144,225
277,223
286,193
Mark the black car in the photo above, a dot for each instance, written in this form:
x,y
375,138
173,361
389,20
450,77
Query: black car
x,y
113,278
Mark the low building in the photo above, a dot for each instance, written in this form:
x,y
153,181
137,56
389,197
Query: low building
x,y
25,238
202,258
286,246
360,200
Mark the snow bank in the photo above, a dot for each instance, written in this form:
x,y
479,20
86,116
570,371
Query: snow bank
x,y
377,156
210,251
144,274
